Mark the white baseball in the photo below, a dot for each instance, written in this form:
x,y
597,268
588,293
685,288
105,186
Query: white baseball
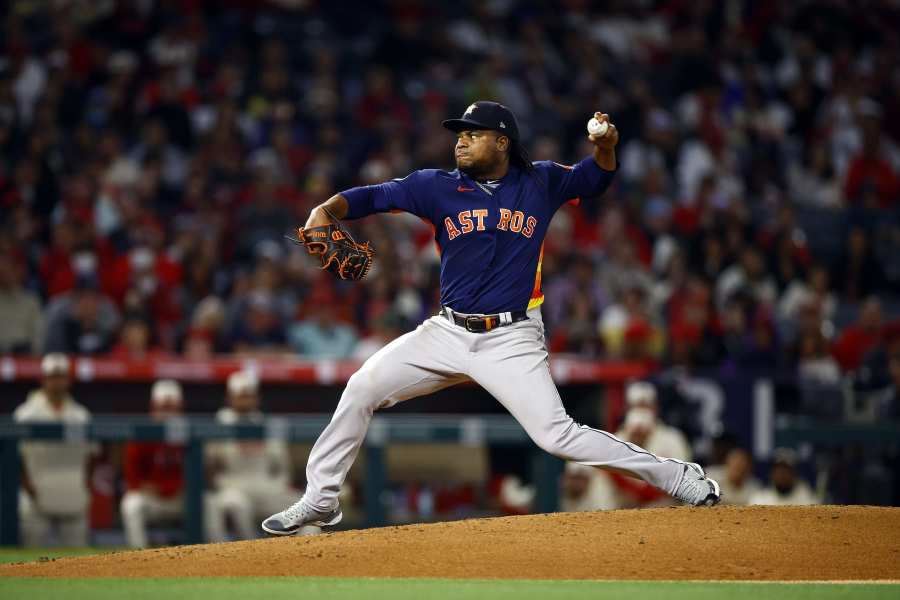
x,y
595,127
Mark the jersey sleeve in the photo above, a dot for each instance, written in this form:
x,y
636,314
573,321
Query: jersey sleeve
x,y
406,194
584,179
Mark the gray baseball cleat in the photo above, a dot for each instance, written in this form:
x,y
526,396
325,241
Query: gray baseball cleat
x,y
298,515
696,488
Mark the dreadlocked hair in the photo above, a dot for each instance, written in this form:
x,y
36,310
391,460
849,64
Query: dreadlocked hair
x,y
518,157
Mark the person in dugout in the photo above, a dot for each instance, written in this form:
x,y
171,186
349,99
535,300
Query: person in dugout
x,y
250,478
154,471
54,495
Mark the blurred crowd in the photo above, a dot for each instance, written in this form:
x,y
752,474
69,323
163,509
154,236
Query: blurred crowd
x,y
154,155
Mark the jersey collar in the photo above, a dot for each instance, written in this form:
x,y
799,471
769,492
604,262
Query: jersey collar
x,y
512,175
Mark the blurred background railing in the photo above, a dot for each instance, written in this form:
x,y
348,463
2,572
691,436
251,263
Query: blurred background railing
x,y
195,432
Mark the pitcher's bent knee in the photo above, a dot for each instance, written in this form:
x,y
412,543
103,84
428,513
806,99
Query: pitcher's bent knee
x,y
364,393
551,443
558,440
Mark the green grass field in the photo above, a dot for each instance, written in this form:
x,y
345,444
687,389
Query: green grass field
x,y
320,588
11,555
272,588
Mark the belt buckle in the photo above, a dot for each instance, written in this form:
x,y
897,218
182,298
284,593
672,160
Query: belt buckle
x,y
469,327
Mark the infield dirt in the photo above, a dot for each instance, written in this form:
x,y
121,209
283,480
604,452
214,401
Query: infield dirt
x,y
723,543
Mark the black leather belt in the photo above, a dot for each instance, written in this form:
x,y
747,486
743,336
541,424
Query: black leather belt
x,y
483,323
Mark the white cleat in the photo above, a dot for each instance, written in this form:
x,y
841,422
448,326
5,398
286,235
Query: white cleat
x,y
298,515
696,489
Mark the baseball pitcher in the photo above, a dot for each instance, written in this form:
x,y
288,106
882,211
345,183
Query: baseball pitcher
x,y
490,216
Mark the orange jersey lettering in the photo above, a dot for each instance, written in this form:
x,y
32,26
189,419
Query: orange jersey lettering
x,y
480,214
505,215
516,224
530,224
465,221
452,231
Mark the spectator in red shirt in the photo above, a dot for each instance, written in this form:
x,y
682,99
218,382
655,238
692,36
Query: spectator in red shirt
x,y
154,471
147,270
871,181
136,340
380,107
641,343
66,259
857,339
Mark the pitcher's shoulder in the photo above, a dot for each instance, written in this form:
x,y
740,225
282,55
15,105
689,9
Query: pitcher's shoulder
x,y
428,176
442,175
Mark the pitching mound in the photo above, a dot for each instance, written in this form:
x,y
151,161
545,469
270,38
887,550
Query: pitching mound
x,y
764,543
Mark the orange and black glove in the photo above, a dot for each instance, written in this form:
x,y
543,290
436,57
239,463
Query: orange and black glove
x,y
338,252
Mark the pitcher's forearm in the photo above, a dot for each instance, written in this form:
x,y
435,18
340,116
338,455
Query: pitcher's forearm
x,y
605,158
336,205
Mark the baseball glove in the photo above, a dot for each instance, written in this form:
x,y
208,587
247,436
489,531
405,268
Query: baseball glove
x,y
338,252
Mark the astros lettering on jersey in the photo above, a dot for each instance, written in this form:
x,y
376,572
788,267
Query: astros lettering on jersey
x,y
490,235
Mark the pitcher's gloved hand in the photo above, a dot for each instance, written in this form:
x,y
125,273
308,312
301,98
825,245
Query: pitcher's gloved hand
x,y
338,252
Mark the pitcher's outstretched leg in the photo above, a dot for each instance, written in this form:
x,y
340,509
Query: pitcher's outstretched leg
x,y
529,394
417,363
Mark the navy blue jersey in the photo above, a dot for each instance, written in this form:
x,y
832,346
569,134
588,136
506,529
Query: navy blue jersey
x,y
490,236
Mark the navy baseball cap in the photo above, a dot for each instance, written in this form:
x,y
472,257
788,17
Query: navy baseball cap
x,y
485,114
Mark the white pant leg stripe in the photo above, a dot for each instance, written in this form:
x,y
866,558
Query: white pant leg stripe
x,y
632,447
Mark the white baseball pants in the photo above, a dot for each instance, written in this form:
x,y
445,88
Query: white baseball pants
x,y
140,509
36,525
510,362
245,507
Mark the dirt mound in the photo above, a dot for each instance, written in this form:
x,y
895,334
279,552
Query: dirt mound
x,y
765,543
